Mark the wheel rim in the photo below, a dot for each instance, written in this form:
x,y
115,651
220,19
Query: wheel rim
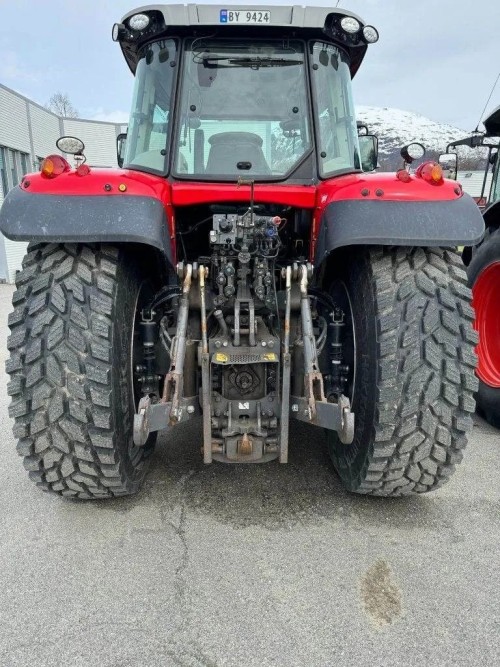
x,y
486,301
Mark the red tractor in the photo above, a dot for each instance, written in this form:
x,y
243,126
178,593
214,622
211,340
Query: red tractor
x,y
483,268
242,268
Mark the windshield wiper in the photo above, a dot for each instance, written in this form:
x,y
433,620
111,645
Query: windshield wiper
x,y
254,62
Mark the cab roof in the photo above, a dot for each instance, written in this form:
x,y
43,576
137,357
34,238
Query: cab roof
x,y
285,21
492,123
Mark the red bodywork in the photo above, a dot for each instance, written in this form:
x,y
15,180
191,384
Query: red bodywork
x,y
173,194
486,302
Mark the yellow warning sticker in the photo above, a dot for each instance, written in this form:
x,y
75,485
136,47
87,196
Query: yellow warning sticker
x,y
221,358
270,356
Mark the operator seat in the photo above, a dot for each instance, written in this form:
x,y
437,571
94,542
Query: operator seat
x,y
229,148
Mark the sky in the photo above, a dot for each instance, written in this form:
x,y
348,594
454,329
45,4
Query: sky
x,y
438,58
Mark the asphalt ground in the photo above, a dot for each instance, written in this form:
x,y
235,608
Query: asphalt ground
x,y
249,565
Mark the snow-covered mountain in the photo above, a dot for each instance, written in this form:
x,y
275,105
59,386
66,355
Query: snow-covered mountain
x,y
395,128
408,126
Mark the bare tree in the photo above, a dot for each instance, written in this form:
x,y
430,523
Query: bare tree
x,y
60,104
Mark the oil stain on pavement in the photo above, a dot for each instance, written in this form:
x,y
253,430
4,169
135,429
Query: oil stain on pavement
x,y
380,594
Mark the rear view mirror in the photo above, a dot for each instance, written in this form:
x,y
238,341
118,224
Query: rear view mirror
x,y
368,146
121,142
362,128
449,164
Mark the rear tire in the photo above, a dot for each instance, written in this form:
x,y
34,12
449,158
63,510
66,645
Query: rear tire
x,y
484,278
71,370
414,361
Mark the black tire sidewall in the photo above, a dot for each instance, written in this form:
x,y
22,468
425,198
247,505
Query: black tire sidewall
x,y
350,461
484,255
488,398
130,287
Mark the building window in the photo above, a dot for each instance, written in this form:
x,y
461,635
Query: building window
x,y
25,162
13,165
4,185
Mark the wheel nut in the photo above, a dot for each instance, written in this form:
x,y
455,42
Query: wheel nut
x,y
190,409
295,407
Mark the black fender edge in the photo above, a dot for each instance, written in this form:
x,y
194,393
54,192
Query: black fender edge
x,y
491,214
399,223
84,219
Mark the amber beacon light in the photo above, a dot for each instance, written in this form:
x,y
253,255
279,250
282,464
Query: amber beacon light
x,y
54,165
431,172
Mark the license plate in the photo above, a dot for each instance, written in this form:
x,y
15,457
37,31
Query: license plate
x,y
244,16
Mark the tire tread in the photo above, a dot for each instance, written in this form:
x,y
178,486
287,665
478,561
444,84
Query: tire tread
x,y
60,370
424,389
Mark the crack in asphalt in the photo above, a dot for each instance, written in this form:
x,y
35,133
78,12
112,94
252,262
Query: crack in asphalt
x,y
177,519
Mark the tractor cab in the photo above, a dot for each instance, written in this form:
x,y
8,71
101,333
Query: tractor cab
x,y
492,127
262,93
490,140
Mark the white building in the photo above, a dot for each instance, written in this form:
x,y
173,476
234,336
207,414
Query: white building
x,y
472,182
28,133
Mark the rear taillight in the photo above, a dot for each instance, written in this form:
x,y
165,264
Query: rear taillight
x,y
431,172
54,165
83,170
403,176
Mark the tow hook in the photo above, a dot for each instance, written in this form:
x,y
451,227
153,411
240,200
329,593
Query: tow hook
x,y
346,432
141,422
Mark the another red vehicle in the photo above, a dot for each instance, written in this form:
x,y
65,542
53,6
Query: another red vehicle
x,y
243,265
483,269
